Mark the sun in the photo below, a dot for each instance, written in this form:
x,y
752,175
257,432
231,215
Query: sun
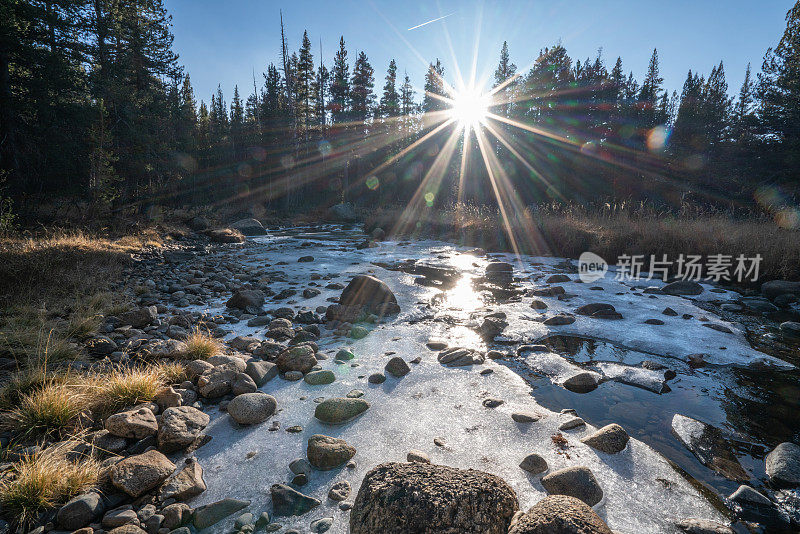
x,y
469,107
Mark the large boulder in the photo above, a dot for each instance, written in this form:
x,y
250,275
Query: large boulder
x,y
80,511
339,410
136,475
247,299
683,287
344,212
185,484
139,318
180,426
783,465
298,358
559,514
249,227
370,294
776,288
435,499
134,424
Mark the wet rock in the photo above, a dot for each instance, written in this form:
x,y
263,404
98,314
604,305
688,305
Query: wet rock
x,y
370,294
339,491
559,514
702,526
408,497
537,304
299,358
558,279
287,501
790,330
709,445
185,484
80,511
213,513
397,367
682,287
261,372
339,410
533,464
669,312
344,355
610,439
320,378
252,408
578,482
249,227
783,465
552,291
136,475
247,299
134,424
460,356
180,426
326,453
492,327
582,382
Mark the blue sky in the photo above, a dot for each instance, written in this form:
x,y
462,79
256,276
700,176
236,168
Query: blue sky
x,y
223,41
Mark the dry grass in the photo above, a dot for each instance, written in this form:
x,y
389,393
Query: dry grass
x,y
123,388
172,372
201,345
51,410
609,230
44,480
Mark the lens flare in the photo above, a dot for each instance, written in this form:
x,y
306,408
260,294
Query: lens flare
x,y
470,108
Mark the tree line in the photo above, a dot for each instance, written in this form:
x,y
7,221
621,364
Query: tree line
x,y
95,105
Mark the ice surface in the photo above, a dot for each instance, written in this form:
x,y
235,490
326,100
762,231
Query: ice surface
x,y
643,492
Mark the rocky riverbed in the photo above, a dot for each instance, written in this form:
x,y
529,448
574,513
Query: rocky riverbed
x,y
626,396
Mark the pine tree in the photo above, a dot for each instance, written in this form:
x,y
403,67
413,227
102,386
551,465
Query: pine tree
x,y
434,86
650,95
504,74
305,79
237,123
321,85
390,101
361,95
779,95
407,105
203,132
186,124
340,85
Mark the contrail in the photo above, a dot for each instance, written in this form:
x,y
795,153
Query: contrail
x,y
430,21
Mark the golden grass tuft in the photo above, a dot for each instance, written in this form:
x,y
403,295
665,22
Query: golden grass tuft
x,y
50,410
45,480
201,345
172,372
123,388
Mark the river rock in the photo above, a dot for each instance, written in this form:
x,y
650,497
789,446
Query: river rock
x,y
242,383
370,294
339,491
249,227
320,378
610,439
180,426
213,513
185,484
216,382
321,525
261,372
252,408
790,330
326,453
298,358
340,410
578,482
80,511
134,424
783,465
533,464
247,299
559,514
559,320
682,287
397,367
702,526
408,497
139,318
460,356
136,475
287,501
582,382
775,288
